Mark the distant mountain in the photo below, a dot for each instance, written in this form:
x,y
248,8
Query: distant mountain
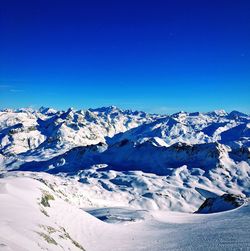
x,y
24,130
122,167
209,150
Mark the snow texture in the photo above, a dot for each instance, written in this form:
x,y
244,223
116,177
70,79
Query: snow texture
x,y
109,179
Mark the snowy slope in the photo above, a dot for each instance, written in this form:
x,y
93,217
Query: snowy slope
x,y
25,129
28,221
63,129
210,148
132,172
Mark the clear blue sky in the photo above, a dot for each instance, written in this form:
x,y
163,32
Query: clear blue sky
x,y
157,56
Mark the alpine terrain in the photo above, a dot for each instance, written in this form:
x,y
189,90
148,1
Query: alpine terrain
x,y
110,179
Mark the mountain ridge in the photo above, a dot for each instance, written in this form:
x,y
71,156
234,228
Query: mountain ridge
x,y
209,150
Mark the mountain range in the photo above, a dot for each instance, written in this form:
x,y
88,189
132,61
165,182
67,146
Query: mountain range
x,y
120,166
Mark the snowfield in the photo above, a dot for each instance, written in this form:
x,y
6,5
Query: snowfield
x,y
108,179
28,223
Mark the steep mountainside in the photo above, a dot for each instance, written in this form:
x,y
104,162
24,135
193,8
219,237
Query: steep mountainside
x,y
212,148
84,176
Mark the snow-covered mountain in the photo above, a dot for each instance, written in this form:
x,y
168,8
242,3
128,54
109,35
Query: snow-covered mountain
x,y
120,166
71,141
25,129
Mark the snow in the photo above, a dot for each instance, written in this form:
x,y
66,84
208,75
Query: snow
x,y
112,179
23,226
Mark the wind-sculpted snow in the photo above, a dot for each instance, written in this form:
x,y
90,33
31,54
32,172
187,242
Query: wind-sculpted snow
x,y
206,150
132,172
43,212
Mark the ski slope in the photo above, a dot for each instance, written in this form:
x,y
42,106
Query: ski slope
x,y
25,226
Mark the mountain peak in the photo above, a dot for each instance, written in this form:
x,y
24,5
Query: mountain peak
x,y
219,112
237,114
47,110
106,109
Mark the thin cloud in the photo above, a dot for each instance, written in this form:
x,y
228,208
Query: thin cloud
x,y
5,86
16,90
